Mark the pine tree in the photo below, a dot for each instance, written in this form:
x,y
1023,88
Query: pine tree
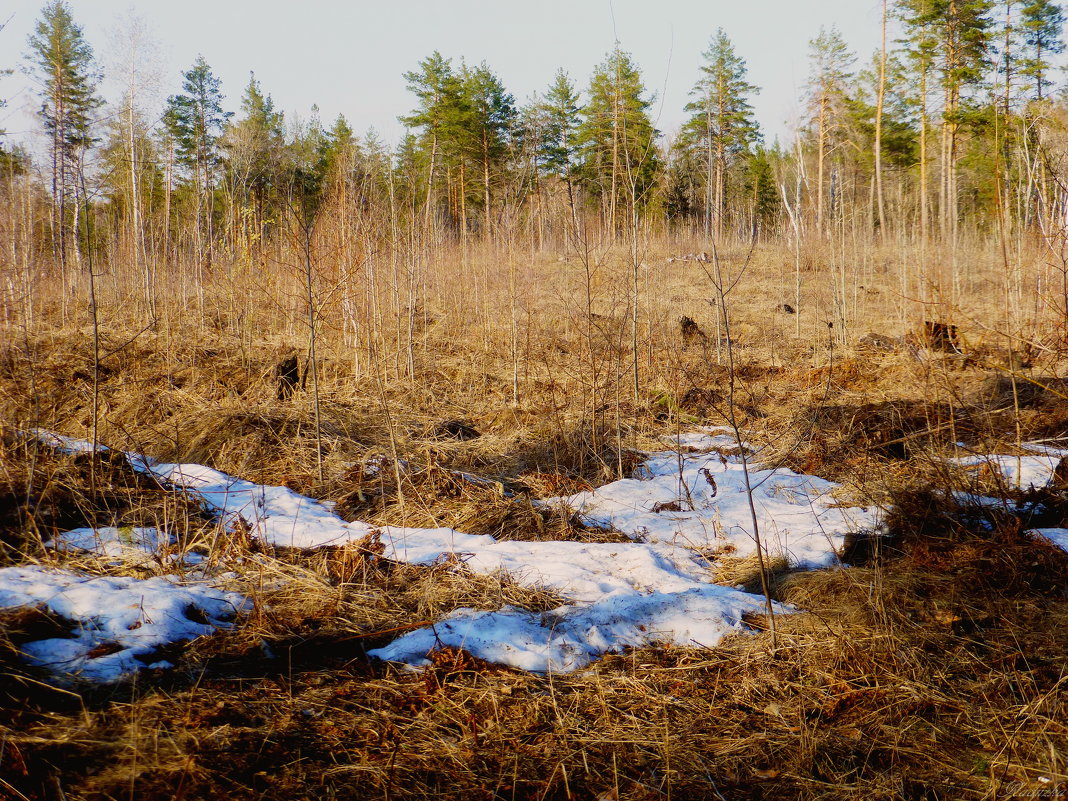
x,y
828,94
617,140
956,34
1010,58
1043,24
491,119
544,143
760,182
684,197
308,166
561,115
63,67
131,193
722,124
921,45
439,93
876,138
341,152
196,120
254,146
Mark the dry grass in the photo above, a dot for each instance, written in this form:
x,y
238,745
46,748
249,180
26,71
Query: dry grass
x,y
896,683
931,668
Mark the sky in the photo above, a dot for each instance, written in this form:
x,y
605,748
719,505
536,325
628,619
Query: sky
x,y
349,57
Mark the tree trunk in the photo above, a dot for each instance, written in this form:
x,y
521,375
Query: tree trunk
x,y
430,183
486,182
709,181
820,157
879,129
924,189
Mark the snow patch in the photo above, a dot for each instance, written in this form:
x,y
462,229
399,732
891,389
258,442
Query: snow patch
x,y
570,637
118,623
582,572
686,501
1058,536
68,445
700,500
276,515
124,543
1018,472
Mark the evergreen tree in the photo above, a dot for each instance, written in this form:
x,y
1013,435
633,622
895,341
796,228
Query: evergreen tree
x,y
684,198
920,53
63,68
722,124
309,161
196,120
617,140
439,114
861,133
1042,23
254,146
760,183
561,115
1010,56
491,120
956,34
341,152
828,95
115,158
409,171
375,169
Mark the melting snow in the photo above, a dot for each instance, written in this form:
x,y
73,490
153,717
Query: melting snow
x,y
124,542
68,445
1058,536
277,515
619,594
118,623
622,594
705,505
1018,472
584,572
571,637
635,594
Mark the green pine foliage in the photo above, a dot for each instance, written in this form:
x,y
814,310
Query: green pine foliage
x,y
254,149
1042,24
956,113
618,158
722,127
561,111
196,118
63,66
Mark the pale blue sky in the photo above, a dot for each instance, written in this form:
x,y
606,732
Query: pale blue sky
x,y
349,57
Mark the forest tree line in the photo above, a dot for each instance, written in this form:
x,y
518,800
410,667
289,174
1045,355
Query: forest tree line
x,y
955,121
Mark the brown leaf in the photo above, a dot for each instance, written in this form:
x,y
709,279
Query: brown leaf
x,y
104,649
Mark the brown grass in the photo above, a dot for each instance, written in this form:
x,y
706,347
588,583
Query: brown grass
x,y
931,668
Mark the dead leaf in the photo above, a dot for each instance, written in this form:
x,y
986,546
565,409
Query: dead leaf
x,y
104,649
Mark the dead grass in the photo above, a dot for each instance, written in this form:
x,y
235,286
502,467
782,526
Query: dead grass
x,y
895,683
932,668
